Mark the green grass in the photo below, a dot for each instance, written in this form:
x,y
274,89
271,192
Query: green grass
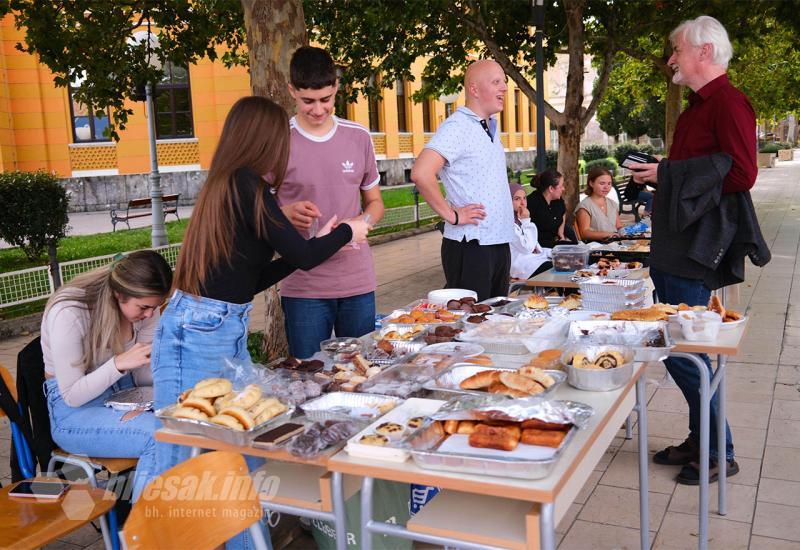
x,y
89,246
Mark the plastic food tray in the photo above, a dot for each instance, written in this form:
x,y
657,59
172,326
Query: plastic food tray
x,y
628,333
221,433
399,328
610,305
598,380
424,444
448,383
393,452
340,406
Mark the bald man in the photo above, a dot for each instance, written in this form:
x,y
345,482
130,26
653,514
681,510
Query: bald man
x,y
467,155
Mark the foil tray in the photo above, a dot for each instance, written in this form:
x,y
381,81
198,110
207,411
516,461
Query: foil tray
x,y
132,399
633,334
598,380
424,444
189,426
447,384
344,405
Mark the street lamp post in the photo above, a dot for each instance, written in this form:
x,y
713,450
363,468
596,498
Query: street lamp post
x,y
537,7
158,234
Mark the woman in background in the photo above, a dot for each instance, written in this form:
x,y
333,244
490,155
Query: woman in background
x,y
597,215
527,257
547,209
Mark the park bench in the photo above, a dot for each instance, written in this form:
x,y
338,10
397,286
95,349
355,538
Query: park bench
x,y
139,208
627,206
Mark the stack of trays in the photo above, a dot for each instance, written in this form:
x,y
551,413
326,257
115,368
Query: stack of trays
x,y
599,294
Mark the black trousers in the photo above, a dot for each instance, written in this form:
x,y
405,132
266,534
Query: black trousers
x,y
482,268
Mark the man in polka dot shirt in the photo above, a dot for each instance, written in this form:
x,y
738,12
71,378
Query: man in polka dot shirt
x,y
468,156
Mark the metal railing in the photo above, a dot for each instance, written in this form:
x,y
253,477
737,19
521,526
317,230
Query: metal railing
x,y
36,283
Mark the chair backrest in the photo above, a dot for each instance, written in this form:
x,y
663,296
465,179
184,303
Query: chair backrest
x,y
8,380
22,463
200,503
576,228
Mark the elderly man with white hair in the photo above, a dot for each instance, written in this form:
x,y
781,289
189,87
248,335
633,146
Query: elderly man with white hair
x,y
715,135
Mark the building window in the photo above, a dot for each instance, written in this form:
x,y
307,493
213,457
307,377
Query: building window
x,y
501,126
87,124
531,117
402,115
340,105
174,104
427,115
518,109
449,109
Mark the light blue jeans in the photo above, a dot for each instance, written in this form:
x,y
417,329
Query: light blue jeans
x,y
96,430
194,336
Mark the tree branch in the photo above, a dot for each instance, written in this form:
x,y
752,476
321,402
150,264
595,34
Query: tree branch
x,y
510,68
658,62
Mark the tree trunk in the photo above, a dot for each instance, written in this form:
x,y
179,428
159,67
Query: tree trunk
x,y
569,148
569,132
673,107
275,29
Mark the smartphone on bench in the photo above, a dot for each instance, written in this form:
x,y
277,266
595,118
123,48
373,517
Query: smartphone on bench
x,y
39,489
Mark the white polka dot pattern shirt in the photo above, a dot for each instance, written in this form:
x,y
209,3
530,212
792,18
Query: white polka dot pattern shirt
x,y
475,172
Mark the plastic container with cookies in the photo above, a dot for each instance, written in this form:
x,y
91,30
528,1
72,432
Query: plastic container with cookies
x,y
216,409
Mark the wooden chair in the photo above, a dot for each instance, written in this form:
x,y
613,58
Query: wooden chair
x,y
576,228
32,523
194,514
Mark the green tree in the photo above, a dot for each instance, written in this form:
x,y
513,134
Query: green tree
x,y
94,40
385,36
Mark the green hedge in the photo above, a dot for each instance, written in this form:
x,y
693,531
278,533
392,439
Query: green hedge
x,y
608,163
594,152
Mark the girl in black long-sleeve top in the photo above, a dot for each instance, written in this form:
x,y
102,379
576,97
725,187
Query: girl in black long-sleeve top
x,y
227,257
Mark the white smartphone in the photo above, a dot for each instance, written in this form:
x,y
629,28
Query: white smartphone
x,y
39,489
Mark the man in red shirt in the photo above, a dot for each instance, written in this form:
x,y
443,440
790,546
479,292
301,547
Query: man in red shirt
x,y
719,119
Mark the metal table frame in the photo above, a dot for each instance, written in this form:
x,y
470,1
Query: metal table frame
x,y
336,516
547,526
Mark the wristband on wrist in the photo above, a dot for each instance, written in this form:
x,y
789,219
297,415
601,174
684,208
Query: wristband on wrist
x,y
456,214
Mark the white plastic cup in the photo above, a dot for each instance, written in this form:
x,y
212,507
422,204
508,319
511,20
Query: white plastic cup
x,y
699,326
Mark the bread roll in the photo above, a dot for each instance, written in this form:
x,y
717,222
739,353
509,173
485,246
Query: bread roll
x,y
521,383
466,427
535,301
450,426
212,387
190,413
551,353
481,380
227,421
200,404
242,416
499,387
538,375
481,359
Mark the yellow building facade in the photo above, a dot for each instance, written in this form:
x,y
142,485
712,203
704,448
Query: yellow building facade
x,y
41,128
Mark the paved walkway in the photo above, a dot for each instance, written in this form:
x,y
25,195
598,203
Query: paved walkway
x,y
763,406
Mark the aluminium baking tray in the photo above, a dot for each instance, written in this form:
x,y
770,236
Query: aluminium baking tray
x,y
628,333
391,319
598,380
447,384
425,442
341,405
244,438
132,399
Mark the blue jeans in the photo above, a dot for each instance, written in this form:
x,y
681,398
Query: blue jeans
x,y
96,430
194,336
674,290
647,198
309,321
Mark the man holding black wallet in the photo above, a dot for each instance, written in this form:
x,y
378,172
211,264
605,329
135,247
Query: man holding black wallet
x,y
719,119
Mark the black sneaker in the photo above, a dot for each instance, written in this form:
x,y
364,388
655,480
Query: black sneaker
x,y
678,455
690,474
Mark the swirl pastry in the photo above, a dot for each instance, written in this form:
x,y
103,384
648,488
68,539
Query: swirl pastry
x,y
609,360
579,360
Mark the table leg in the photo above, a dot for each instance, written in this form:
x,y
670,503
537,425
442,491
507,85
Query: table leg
x,y
705,428
366,513
628,428
547,526
644,482
722,459
340,521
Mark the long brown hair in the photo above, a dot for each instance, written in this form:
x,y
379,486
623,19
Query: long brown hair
x,y
594,173
255,136
140,274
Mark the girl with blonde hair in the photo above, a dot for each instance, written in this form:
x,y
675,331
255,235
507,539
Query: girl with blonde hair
x,y
96,336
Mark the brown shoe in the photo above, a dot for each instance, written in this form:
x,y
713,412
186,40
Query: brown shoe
x,y
690,474
679,455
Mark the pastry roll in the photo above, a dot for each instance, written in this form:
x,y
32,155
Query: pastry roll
x,y
481,380
493,437
545,438
537,424
609,360
466,427
450,426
